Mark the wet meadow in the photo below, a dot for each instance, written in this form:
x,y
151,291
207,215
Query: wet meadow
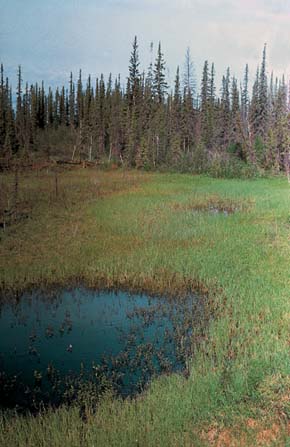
x,y
216,249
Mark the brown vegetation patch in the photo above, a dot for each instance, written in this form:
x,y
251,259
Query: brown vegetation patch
x,y
24,192
275,392
250,433
161,283
252,423
214,204
223,438
268,436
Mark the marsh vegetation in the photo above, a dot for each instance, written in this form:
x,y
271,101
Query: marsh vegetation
x,y
124,231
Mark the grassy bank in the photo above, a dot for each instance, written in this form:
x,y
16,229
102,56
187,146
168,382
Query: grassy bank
x,y
163,233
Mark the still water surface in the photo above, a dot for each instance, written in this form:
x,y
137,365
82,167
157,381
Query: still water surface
x,y
121,337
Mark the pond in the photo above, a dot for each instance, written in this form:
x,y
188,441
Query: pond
x,y
52,345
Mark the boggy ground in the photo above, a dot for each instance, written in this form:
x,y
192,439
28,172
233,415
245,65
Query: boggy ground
x,y
142,232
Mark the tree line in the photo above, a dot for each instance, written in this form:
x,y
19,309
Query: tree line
x,y
150,126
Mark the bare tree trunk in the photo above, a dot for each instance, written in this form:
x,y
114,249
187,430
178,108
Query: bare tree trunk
x,y
110,153
16,186
247,141
80,141
73,154
287,167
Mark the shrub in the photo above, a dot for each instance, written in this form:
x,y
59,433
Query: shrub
x,y
225,165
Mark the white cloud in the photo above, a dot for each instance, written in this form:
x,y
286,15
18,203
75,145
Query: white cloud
x,y
97,36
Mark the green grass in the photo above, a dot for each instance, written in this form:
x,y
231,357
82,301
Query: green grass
x,y
142,231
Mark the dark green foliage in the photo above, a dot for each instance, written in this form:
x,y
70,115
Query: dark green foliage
x,y
225,110
263,99
159,81
134,74
229,166
19,121
3,109
205,104
245,101
259,149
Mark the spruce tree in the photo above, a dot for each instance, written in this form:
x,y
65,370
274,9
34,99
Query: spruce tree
x,y
41,112
159,81
34,112
206,105
225,121
262,124
236,125
245,99
26,120
79,101
62,108
108,116
189,82
19,121
3,109
10,143
142,159
148,94
71,102
188,119
176,103
134,74
254,114
56,119
101,111
85,134
281,125
175,122
211,107
50,108
115,126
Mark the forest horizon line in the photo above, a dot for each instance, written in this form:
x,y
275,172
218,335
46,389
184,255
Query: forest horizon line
x,y
149,124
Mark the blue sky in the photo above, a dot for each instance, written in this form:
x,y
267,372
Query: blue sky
x,y
53,37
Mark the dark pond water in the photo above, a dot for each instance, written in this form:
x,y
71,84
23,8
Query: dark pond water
x,y
53,346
